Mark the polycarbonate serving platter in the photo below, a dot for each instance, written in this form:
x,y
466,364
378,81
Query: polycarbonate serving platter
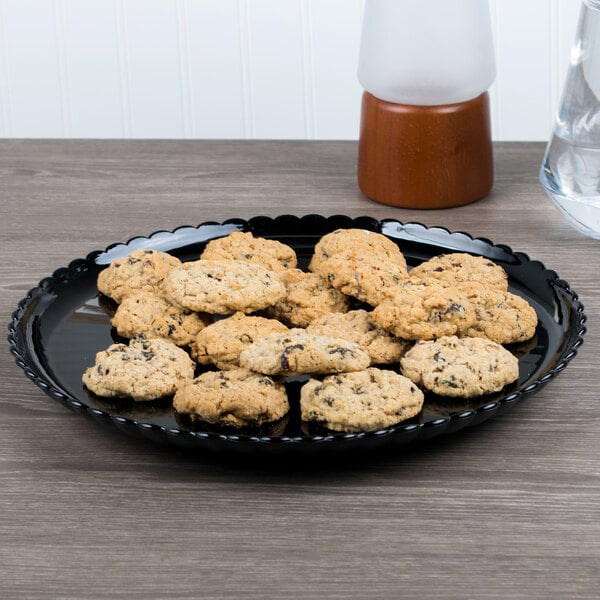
x,y
59,326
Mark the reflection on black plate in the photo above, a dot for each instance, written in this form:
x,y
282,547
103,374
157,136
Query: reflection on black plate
x,y
57,329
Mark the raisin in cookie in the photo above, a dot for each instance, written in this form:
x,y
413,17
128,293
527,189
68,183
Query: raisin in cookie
x,y
146,369
361,401
222,342
308,296
141,270
461,367
271,254
146,313
458,268
223,286
425,311
297,352
358,326
360,263
502,317
236,398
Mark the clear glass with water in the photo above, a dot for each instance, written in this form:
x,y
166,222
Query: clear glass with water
x,y
570,172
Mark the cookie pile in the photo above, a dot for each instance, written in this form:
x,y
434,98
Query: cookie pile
x,y
245,317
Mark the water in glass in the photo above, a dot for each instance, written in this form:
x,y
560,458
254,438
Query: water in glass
x,y
570,172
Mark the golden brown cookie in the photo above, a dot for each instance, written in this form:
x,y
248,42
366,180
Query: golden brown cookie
x,y
223,286
222,342
308,296
152,315
462,367
360,401
457,268
235,398
140,271
271,254
425,311
502,317
358,326
146,369
297,352
360,263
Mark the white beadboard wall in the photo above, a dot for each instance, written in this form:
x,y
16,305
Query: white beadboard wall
x,y
283,69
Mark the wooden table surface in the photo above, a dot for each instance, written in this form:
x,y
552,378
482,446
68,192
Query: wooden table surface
x,y
508,509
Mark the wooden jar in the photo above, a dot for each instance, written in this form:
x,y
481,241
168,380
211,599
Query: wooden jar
x,y
425,156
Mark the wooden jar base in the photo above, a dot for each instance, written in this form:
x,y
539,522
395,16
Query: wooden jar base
x,y
425,156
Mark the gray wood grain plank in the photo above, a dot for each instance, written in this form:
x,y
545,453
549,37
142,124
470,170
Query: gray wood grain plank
x,y
509,509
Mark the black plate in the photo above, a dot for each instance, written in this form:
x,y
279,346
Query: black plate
x,y
61,324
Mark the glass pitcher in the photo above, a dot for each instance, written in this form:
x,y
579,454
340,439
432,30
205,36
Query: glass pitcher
x,y
570,171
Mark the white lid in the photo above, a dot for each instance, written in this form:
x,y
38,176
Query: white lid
x,y
426,53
